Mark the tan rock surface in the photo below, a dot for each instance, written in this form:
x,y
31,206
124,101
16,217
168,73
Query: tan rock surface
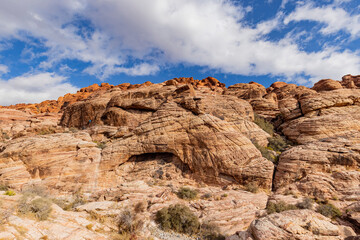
x,y
294,224
326,85
63,161
15,123
327,169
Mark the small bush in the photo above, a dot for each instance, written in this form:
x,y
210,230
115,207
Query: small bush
x,y
3,187
100,145
210,232
36,190
10,193
39,207
206,196
263,124
129,223
277,143
252,187
307,203
140,207
265,152
279,207
328,210
187,193
178,218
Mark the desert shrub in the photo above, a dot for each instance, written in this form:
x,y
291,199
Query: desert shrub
x,y
210,232
265,152
67,205
3,187
129,223
187,193
35,190
307,203
10,193
140,207
279,207
328,210
206,196
178,218
263,124
5,135
38,207
252,187
46,130
277,143
100,145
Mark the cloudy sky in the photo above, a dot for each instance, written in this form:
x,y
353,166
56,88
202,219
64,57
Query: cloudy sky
x,y
51,47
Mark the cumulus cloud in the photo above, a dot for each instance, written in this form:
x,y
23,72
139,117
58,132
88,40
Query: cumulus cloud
x,y
212,34
333,16
33,88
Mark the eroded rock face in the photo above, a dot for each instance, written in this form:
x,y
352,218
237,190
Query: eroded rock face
x,y
63,161
15,123
294,224
208,132
322,115
327,169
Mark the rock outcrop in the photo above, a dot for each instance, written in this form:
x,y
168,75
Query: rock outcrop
x,y
128,144
294,224
208,132
327,169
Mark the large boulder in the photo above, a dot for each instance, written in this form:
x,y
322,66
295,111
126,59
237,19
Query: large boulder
x,y
327,169
294,224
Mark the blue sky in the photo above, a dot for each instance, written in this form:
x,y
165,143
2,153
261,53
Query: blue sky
x,y
49,48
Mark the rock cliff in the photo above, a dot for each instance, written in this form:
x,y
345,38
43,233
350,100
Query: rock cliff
x,y
123,145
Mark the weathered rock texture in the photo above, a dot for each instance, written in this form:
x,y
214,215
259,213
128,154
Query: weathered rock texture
x,y
208,132
327,169
294,224
61,161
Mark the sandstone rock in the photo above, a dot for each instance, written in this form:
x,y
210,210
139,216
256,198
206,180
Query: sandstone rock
x,y
15,123
326,85
294,224
246,90
326,169
323,115
349,81
60,161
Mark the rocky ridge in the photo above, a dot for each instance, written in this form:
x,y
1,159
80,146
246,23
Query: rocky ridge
x,y
134,143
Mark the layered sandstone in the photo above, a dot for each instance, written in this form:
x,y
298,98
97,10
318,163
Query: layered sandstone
x,y
294,224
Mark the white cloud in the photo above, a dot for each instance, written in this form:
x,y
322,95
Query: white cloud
x,y
33,88
212,34
334,17
3,69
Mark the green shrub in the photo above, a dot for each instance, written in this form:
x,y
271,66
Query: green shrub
x,y
178,218
10,193
279,207
187,193
307,203
328,210
252,187
277,143
38,207
263,124
266,153
100,145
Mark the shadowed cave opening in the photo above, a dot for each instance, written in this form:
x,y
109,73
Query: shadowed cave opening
x,y
164,166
